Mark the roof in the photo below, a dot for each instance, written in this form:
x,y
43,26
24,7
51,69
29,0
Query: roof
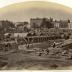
x,y
20,34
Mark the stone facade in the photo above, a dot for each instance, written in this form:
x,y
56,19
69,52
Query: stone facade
x,y
48,23
35,23
63,24
41,23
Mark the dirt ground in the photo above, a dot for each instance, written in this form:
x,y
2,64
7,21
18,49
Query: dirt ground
x,y
18,60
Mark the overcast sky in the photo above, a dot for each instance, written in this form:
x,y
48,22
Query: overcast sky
x,y
25,11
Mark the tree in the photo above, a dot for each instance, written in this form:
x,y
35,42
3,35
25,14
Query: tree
x,y
7,26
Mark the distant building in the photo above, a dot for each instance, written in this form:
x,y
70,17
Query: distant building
x,y
49,23
22,26
70,25
41,23
63,24
56,24
35,23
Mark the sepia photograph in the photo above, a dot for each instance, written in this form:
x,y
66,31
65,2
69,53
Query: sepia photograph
x,y
36,35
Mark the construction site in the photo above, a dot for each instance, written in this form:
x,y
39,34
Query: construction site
x,y
38,48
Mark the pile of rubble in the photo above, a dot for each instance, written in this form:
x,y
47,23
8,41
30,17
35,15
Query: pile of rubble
x,y
62,50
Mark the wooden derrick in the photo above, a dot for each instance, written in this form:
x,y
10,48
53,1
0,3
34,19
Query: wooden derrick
x,y
35,39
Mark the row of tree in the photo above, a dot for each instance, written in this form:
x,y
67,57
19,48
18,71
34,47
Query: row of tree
x,y
9,27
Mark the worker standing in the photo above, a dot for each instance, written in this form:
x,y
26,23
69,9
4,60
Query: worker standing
x,y
54,44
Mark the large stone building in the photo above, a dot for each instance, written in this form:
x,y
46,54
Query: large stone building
x,y
35,23
48,23
41,23
64,23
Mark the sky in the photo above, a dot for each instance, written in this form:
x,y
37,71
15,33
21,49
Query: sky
x,y
4,3
25,10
